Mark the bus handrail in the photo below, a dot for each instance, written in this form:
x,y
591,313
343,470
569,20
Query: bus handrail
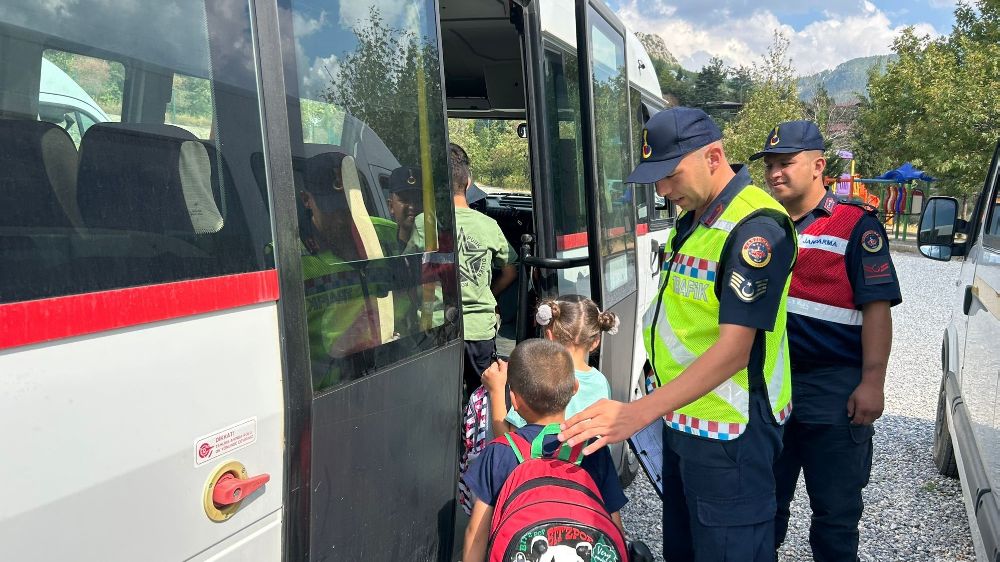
x,y
527,260
556,263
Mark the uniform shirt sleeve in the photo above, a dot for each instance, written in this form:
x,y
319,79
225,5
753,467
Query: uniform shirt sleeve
x,y
756,269
489,471
602,469
869,265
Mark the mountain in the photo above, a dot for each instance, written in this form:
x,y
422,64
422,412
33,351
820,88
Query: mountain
x,y
656,48
845,82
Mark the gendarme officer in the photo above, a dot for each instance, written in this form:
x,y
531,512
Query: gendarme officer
x,y
840,333
715,336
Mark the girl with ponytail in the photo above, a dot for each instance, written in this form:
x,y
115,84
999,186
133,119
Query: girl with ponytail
x,y
577,323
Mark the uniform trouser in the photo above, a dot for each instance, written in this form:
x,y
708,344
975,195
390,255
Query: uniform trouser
x,y
718,496
837,461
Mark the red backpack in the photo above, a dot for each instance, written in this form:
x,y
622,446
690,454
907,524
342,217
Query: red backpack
x,y
550,509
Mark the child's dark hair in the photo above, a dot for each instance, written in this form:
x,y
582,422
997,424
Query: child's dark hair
x,y
540,372
575,320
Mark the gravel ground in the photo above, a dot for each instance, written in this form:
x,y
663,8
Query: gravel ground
x,y
911,512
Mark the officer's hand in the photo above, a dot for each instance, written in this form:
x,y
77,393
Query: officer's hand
x,y
608,420
495,377
866,404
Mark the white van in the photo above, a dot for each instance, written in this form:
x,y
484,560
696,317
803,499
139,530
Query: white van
x,y
967,430
62,101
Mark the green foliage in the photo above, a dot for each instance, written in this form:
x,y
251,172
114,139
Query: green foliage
x,y
938,106
710,85
102,80
498,157
378,83
773,99
675,82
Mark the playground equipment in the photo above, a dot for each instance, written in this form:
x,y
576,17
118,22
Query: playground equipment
x,y
892,193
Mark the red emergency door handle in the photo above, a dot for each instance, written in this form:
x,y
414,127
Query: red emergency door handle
x,y
230,489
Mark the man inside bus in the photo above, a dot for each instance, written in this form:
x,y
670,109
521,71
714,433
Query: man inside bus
x,y
481,247
343,284
715,336
406,201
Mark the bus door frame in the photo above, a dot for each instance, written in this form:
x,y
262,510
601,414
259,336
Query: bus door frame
x,y
617,351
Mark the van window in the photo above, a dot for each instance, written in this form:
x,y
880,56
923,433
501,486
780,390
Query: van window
x,y
367,132
75,91
190,106
106,187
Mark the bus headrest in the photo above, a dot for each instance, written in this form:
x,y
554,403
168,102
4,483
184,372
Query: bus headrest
x,y
146,177
38,163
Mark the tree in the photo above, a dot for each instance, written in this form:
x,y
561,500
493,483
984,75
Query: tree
x,y
709,86
675,82
773,99
377,83
938,106
498,157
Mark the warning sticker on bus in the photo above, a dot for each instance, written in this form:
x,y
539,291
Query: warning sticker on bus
x,y
225,441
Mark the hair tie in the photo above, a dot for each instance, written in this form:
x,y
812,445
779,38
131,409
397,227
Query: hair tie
x,y
543,315
614,327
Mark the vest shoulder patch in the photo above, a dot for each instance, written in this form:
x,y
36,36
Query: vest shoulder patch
x,y
871,241
756,252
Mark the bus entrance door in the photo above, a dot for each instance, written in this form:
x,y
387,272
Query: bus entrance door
x,y
611,225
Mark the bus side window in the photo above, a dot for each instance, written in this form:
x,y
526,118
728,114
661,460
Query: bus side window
x,y
377,257
95,204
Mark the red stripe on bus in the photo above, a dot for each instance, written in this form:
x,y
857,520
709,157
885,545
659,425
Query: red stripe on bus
x,y
28,322
579,239
571,241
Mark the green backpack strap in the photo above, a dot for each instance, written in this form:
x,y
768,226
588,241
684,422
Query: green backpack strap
x,y
565,452
519,445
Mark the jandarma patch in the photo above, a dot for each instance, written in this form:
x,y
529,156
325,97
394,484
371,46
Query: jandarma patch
x,y
871,240
746,289
757,251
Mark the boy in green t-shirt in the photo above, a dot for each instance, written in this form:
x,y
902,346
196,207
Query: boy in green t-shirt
x,y
481,247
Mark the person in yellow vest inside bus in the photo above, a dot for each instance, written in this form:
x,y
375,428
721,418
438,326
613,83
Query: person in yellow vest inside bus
x,y
715,337
342,272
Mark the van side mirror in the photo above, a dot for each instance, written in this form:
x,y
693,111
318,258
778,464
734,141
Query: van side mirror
x,y
938,223
522,130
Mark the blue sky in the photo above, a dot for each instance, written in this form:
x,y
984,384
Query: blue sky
x,y
823,33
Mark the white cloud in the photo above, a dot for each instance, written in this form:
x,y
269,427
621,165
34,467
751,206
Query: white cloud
x,y
305,26
740,38
319,76
358,13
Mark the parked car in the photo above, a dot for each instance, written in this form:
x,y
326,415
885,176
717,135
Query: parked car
x,y
967,429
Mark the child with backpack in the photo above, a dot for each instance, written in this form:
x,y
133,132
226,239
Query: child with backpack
x,y
576,323
572,320
538,499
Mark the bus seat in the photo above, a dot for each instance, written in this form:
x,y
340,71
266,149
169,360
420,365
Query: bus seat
x,y
147,178
38,170
367,238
